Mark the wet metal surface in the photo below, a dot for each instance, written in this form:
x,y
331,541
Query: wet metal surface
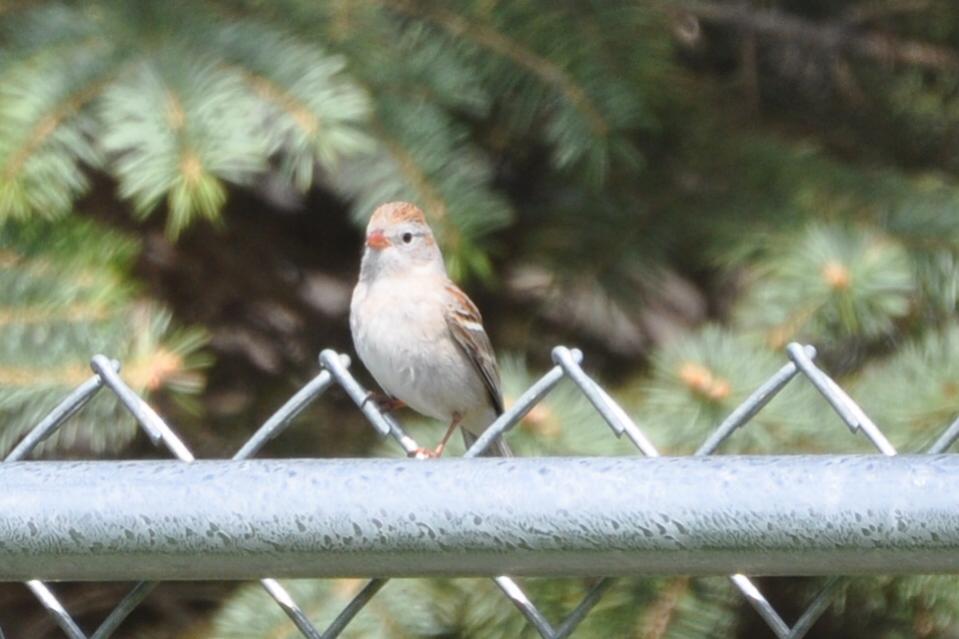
x,y
793,515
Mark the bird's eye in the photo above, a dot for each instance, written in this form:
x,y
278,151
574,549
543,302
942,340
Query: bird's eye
x,y
407,238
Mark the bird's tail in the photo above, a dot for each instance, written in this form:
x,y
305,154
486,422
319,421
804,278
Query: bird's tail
x,y
497,448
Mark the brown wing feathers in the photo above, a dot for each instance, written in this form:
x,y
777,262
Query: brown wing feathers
x,y
466,326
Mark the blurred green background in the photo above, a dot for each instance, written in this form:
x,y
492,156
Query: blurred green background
x,y
678,188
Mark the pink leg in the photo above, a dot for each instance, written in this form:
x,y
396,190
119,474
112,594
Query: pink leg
x,y
457,418
421,453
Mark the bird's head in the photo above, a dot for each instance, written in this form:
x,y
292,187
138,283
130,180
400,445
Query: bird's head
x,y
399,242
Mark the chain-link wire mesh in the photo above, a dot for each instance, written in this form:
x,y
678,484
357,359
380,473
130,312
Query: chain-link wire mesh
x,y
335,370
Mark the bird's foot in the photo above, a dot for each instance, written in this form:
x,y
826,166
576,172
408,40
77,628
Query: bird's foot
x,y
384,402
425,453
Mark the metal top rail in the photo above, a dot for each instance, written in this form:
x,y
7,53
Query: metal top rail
x,y
768,515
567,366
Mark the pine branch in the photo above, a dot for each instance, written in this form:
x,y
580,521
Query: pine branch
x,y
83,311
316,112
171,134
870,11
43,129
915,389
660,615
63,300
415,175
781,190
699,380
423,156
838,37
566,94
497,42
916,606
45,138
832,283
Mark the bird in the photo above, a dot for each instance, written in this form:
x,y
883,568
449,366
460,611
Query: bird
x,y
420,336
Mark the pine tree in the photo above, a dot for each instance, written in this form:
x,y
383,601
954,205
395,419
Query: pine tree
x,y
65,295
792,163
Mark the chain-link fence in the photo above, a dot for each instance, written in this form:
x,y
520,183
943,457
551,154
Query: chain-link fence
x,y
567,365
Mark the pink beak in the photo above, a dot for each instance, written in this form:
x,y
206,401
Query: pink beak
x,y
376,240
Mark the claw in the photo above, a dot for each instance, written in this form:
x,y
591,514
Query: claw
x,y
425,453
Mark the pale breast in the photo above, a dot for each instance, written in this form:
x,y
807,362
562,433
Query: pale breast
x,y
400,334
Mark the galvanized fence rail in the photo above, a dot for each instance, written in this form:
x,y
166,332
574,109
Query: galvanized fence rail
x,y
567,365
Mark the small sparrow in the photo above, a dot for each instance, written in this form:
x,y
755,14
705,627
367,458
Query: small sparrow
x,y
418,334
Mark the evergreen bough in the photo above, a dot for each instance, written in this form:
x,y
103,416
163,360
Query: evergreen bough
x,y
606,137
65,295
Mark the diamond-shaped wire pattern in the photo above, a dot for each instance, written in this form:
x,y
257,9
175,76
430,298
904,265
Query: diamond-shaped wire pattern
x,y
335,370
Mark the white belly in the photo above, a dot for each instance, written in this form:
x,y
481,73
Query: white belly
x,y
406,346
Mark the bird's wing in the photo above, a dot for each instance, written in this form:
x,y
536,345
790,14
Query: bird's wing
x,y
466,326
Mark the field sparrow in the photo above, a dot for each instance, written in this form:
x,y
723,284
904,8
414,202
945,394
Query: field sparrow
x,y
418,334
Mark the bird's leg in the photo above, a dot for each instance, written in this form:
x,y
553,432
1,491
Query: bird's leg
x,y
383,401
427,453
457,418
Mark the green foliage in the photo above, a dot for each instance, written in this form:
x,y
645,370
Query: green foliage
x,y
477,609
181,150
178,102
915,390
828,284
697,381
898,608
45,140
422,157
64,297
805,191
